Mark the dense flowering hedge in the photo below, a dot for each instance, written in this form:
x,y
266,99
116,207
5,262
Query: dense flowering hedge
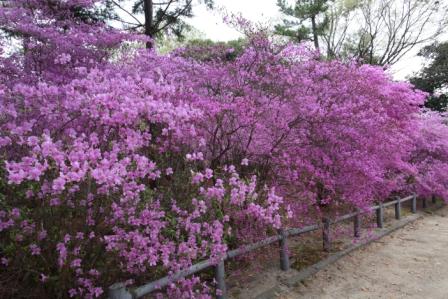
x,y
430,155
121,165
324,132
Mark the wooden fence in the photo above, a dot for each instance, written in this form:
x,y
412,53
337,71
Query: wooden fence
x,y
119,290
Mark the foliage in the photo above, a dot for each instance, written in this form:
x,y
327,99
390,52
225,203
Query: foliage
x,y
160,17
433,78
166,44
303,11
207,50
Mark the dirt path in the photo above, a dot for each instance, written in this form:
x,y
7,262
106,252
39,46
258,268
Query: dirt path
x,y
410,263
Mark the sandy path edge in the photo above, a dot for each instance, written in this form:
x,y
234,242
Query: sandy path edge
x,y
370,271
410,263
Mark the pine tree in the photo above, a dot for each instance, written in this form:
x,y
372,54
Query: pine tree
x,y
434,77
306,20
160,17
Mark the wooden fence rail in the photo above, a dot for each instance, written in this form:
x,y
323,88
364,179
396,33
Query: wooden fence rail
x,y
119,290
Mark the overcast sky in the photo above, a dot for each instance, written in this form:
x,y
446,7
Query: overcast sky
x,y
210,22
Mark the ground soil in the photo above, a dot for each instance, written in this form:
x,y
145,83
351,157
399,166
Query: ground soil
x,y
410,263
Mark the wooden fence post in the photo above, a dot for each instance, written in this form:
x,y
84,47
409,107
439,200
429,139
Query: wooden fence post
x,y
326,234
119,291
398,209
357,226
284,251
424,203
380,216
414,203
220,277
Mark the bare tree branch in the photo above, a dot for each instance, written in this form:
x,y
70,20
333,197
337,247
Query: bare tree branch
x,y
126,11
384,31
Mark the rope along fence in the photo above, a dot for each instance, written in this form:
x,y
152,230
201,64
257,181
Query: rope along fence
x,y
119,290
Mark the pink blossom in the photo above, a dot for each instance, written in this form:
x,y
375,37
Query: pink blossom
x,y
72,293
35,250
4,261
43,277
169,171
54,202
76,263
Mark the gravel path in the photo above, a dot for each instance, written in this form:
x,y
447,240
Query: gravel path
x,y
410,263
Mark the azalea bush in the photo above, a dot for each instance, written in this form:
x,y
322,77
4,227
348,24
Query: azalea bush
x,y
121,165
326,132
100,174
430,155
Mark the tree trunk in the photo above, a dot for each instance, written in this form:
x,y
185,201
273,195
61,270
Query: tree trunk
x,y
315,35
148,9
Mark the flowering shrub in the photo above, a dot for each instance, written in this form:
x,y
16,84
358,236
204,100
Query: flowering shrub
x,y
98,163
101,177
326,132
430,155
123,166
